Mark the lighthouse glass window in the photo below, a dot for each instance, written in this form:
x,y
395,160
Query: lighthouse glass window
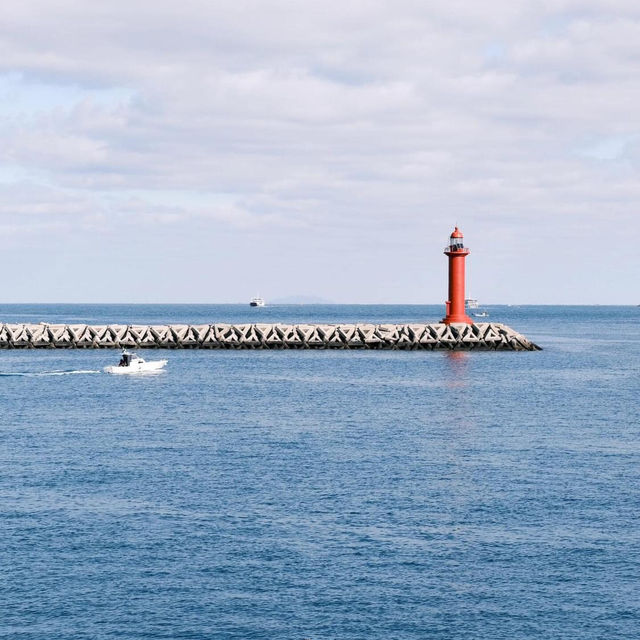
x,y
456,243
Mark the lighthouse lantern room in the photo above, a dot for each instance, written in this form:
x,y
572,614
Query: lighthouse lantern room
x,y
456,251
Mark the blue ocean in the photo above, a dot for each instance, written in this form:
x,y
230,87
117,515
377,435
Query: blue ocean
x,y
321,495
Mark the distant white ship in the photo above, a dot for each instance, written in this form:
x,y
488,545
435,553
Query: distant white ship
x,y
257,302
471,303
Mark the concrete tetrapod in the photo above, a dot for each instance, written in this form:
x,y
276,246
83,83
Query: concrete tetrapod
x,y
455,336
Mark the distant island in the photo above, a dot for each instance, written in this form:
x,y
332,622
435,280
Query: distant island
x,y
300,299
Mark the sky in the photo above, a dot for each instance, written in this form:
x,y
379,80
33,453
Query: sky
x,y
208,151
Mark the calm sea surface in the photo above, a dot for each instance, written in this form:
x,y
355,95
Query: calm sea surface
x,y
343,495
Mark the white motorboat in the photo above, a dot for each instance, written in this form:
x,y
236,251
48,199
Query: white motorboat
x,y
257,302
481,314
133,363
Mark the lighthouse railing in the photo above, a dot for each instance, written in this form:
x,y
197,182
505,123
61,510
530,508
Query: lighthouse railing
x,y
450,249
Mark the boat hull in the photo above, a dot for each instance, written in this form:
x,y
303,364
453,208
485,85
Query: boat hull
x,y
135,367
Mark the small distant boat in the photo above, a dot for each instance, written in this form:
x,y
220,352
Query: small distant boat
x,y
257,302
132,363
471,303
481,314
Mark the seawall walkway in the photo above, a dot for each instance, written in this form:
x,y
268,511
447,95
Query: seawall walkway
x,y
485,336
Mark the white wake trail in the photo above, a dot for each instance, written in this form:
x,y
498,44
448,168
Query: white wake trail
x,y
41,374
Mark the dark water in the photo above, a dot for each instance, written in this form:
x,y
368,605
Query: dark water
x,y
337,494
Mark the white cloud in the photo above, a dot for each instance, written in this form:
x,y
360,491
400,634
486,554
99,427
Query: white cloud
x,y
361,124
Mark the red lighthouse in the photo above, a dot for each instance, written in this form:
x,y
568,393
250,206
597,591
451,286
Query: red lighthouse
x,y
455,304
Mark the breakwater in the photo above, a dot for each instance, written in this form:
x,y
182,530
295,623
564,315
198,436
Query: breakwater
x,y
484,336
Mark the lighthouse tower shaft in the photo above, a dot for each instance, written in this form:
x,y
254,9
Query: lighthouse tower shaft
x,y
457,253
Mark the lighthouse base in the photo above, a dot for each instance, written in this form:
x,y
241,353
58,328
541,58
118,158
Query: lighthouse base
x,y
459,319
455,314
